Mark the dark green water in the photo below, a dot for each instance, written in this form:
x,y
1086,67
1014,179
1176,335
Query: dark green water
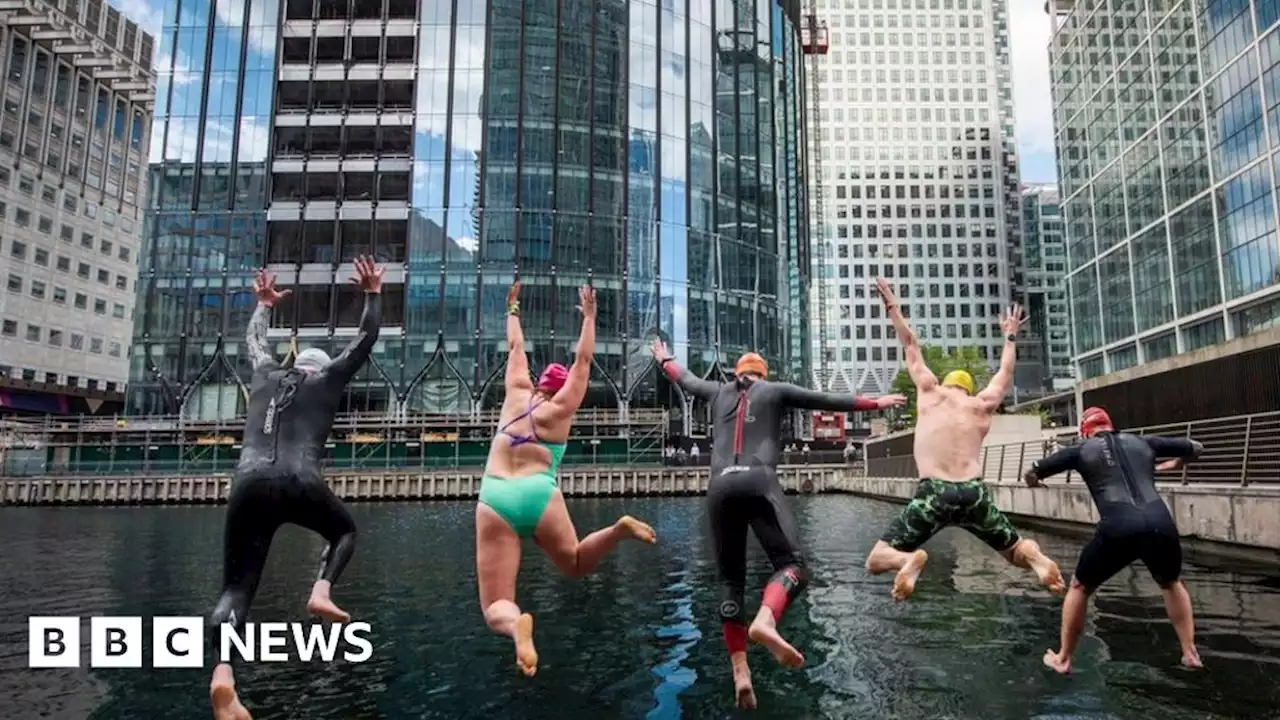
x,y
638,640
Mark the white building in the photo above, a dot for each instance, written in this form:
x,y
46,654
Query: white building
x,y
77,92
920,180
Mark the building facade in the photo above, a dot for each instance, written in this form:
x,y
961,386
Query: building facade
x,y
1167,142
915,137
1044,268
653,150
77,93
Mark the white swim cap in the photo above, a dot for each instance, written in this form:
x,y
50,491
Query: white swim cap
x,y
311,360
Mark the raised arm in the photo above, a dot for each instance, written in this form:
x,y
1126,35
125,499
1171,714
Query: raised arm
x,y
345,366
569,398
806,399
1061,461
919,371
518,377
1002,382
264,287
690,383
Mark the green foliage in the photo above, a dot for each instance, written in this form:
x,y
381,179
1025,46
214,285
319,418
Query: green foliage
x,y
941,362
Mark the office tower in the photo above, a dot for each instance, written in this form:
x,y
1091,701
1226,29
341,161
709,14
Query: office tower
x,y
1044,268
920,179
652,149
1165,146
77,91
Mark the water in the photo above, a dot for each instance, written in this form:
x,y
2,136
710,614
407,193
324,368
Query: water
x,y
640,639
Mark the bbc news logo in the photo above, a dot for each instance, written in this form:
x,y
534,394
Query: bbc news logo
x,y
178,642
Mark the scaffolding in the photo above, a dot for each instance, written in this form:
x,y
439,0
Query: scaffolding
x,y
815,41
174,445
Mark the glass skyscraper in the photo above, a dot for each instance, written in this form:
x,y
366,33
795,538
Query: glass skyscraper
x,y
1044,267
1168,132
653,149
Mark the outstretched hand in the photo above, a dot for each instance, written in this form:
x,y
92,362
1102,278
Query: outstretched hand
x,y
587,302
888,401
886,293
513,295
660,350
1012,320
264,286
368,275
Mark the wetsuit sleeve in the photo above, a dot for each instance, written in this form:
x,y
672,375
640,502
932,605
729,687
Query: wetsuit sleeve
x,y
798,397
344,366
1167,447
256,340
1065,459
692,384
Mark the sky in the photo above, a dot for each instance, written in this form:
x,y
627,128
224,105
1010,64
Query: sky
x,y
1029,31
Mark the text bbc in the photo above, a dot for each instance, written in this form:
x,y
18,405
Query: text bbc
x,y
178,642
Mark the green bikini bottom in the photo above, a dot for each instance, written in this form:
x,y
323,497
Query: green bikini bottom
x,y
519,501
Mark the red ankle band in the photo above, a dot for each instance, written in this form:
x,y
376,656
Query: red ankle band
x,y
735,637
775,598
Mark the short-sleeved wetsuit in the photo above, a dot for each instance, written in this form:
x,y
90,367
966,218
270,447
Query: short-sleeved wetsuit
x,y
1134,524
278,478
744,490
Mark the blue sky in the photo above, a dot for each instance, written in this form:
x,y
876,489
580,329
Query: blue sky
x,y
1029,32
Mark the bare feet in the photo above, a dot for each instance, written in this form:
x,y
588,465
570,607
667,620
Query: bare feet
x,y
1057,663
765,632
526,655
321,606
905,583
1191,659
222,693
742,688
638,530
1049,574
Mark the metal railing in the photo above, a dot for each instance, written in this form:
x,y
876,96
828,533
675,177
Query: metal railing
x,y
1240,450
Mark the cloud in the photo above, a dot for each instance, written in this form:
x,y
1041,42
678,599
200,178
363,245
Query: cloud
x,y
1029,32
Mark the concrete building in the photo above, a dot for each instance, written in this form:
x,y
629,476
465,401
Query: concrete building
x,y
77,92
1167,162
654,150
920,179
1044,268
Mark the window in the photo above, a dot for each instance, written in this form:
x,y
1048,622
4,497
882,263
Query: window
x,y
42,257
22,218
15,283
81,301
111,386
86,240
104,277
77,343
92,384
46,225
95,347
60,295
124,253
73,380
113,349
51,378
117,310
68,233
27,185
69,203
82,270
18,250
100,306
55,338
33,332
38,289
105,247
64,263
10,328
122,282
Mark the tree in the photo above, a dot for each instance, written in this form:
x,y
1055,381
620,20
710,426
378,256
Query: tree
x,y
941,362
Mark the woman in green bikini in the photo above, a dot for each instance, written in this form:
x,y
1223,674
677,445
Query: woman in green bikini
x,y
519,497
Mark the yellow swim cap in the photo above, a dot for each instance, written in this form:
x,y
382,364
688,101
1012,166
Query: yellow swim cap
x,y
960,379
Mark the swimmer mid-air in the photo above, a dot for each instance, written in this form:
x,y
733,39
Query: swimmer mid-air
x,y
278,479
744,492
1134,523
951,425
518,494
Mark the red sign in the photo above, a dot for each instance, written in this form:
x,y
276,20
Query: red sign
x,y
828,426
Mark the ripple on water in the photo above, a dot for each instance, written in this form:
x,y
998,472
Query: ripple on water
x,y
640,638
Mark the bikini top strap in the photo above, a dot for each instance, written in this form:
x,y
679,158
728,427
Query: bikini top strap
x,y
526,414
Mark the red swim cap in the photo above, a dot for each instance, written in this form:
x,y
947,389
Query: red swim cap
x,y
1095,420
553,377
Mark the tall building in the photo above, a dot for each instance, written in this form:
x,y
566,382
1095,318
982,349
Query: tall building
x,y
920,179
1167,171
1044,267
77,91
652,149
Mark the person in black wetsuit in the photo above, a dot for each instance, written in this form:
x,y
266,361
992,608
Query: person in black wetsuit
x,y
278,479
744,492
1134,523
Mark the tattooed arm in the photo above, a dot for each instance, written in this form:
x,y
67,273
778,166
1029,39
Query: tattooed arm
x,y
256,338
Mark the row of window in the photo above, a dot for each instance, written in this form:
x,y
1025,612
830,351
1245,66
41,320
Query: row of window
x,y
70,202
359,48
40,290
350,9
52,378
294,95
345,141
900,4
59,339
325,241
18,250
352,186
918,250
936,290
892,22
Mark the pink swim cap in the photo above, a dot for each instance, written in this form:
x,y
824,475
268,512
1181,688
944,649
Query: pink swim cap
x,y
553,377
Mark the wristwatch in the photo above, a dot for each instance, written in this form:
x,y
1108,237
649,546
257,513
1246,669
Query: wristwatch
x,y
1011,338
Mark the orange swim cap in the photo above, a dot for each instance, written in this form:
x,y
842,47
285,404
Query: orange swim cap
x,y
752,363
1095,420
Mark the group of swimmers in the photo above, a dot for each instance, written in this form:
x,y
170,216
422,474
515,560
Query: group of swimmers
x,y
291,409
